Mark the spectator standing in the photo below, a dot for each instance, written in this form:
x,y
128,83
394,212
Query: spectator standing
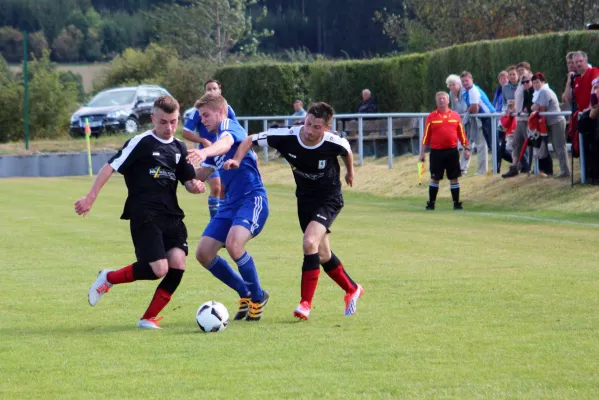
x,y
546,100
499,103
298,108
457,104
368,104
502,79
568,95
477,101
523,104
509,89
583,84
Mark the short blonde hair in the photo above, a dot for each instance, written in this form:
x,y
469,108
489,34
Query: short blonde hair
x,y
502,73
453,78
213,101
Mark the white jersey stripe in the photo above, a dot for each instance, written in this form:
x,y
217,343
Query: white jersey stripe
x,y
126,152
338,140
262,138
257,211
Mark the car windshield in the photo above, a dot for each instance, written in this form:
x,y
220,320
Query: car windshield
x,y
114,98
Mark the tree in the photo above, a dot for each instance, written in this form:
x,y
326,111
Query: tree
x,y
67,45
208,28
37,44
451,22
11,44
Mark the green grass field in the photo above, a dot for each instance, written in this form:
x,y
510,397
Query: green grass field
x,y
471,304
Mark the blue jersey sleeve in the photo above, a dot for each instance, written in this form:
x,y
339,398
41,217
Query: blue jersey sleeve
x,y
233,128
231,114
191,123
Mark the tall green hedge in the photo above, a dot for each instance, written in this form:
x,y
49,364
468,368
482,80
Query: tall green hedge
x,y
401,84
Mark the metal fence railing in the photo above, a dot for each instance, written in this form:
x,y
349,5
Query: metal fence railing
x,y
390,116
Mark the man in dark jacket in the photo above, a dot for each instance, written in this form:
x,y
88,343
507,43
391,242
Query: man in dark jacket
x,y
368,104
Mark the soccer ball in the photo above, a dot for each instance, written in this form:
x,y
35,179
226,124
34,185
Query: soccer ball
x,y
212,316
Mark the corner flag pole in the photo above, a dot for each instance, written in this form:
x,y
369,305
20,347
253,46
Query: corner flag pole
x,y
88,133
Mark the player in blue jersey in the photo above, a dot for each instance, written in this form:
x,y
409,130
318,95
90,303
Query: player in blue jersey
x,y
195,131
242,214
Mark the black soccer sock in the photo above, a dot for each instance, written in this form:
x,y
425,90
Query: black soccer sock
x,y
164,292
455,192
433,189
143,272
171,280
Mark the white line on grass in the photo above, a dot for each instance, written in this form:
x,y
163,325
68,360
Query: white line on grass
x,y
480,213
489,214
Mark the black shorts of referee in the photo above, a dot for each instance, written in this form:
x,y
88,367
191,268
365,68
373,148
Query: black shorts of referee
x,y
445,161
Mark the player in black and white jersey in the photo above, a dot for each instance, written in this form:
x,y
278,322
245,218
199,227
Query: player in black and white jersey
x,y
152,163
312,154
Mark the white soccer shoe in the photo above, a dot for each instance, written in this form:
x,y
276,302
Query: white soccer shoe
x,y
99,287
302,311
351,300
150,323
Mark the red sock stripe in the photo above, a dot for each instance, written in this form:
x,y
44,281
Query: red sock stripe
x,y
309,282
123,275
159,301
342,279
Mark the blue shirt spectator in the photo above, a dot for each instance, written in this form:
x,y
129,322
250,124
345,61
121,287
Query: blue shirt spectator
x,y
298,107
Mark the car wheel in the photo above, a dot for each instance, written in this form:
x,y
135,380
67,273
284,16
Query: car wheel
x,y
131,125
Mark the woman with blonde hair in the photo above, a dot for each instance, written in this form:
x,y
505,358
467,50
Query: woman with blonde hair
x,y
458,104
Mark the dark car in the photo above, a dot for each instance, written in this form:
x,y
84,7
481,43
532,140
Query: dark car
x,y
119,109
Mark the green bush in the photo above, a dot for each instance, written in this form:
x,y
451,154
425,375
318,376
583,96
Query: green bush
x,y
11,111
51,101
159,66
263,89
403,83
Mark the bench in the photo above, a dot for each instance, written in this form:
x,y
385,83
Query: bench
x,y
405,136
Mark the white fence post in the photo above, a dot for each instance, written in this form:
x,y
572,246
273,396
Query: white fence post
x,y
390,141
360,141
494,154
420,134
265,127
583,171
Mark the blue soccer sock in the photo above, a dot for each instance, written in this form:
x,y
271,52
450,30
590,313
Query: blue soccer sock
x,y
247,269
221,269
213,204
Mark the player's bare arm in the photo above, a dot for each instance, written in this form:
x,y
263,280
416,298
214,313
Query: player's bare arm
x,y
203,173
192,137
242,150
84,204
220,147
195,186
348,160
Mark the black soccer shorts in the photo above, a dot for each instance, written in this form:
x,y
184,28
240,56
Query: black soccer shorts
x,y
446,160
321,211
154,236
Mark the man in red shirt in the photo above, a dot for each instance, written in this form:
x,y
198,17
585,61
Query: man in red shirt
x,y
443,130
583,84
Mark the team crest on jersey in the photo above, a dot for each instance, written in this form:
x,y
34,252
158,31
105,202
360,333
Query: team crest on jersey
x,y
322,164
177,158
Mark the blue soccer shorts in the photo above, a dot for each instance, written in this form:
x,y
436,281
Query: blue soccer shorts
x,y
250,212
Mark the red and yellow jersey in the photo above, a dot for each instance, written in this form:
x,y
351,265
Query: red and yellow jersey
x,y
443,130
